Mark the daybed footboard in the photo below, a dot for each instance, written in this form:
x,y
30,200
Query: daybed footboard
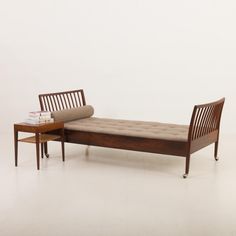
x,y
204,128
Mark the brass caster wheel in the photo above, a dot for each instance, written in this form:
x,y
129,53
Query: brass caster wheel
x,y
217,158
47,155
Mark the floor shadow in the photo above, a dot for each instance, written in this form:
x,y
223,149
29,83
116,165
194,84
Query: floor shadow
x,y
135,160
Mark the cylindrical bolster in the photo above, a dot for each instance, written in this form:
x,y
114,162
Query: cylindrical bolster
x,y
73,114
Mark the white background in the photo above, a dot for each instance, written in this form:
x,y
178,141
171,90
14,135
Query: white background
x,y
143,60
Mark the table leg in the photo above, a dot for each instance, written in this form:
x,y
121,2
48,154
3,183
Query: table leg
x,y
37,149
62,144
41,150
16,146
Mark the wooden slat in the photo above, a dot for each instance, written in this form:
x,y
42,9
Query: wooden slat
x,y
76,102
58,102
69,103
78,97
72,101
45,104
210,119
202,129
61,100
55,102
196,122
51,102
48,103
65,101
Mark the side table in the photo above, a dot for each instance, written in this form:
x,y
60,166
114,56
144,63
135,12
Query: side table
x,y
40,137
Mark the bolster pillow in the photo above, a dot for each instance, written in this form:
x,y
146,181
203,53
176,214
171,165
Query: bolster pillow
x,y
73,113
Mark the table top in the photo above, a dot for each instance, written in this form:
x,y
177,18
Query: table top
x,y
42,127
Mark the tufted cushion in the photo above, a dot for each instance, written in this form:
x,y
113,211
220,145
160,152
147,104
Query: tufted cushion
x,y
73,114
142,129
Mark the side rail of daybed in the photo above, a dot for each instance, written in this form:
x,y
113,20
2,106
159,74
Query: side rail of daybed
x,y
62,100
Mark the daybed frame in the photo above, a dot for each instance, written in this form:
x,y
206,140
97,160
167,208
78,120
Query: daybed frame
x,y
203,130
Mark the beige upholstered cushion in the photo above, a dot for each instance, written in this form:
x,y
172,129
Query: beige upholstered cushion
x,y
142,129
73,114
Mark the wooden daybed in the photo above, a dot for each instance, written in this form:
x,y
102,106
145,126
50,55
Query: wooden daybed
x,y
154,137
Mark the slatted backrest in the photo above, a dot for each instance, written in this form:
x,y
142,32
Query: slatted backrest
x,y
205,119
62,100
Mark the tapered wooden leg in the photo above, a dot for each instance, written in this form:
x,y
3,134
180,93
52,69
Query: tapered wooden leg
x,y
16,146
216,151
37,150
62,145
46,150
41,150
187,166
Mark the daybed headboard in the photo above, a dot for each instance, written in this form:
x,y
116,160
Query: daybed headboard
x,y
62,100
205,119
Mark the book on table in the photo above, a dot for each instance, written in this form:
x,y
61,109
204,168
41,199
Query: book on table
x,y
39,113
33,121
39,117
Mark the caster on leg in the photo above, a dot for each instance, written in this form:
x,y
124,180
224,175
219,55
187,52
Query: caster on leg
x,y
187,166
46,150
185,176
216,151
